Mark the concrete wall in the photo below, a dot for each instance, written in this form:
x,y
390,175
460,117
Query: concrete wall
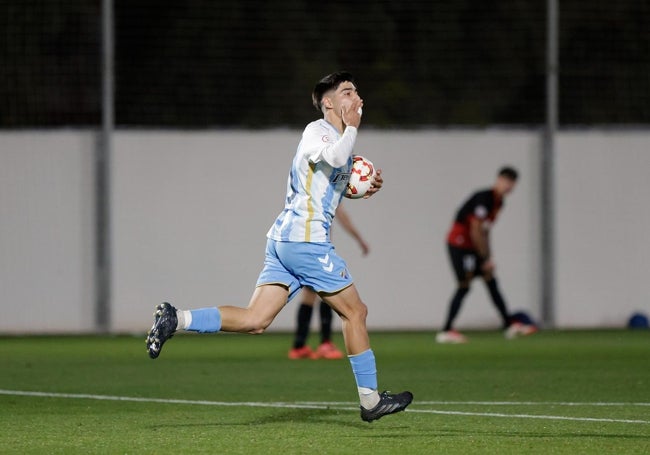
x,y
46,232
603,247
190,211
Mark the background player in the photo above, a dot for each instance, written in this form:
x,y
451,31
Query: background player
x,y
468,243
299,252
327,349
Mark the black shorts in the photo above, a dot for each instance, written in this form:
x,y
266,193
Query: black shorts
x,y
464,262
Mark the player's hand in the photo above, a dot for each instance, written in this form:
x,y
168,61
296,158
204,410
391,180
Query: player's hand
x,y
377,183
365,249
488,266
351,113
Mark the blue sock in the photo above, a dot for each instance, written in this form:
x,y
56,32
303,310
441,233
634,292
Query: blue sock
x,y
364,369
205,320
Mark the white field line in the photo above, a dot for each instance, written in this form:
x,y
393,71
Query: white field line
x,y
510,403
528,416
348,406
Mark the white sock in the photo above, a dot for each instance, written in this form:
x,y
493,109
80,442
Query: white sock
x,y
184,318
368,397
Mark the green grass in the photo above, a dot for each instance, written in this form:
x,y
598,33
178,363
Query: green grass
x,y
474,398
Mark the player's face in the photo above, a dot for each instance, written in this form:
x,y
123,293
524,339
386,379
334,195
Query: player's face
x,y
505,185
344,95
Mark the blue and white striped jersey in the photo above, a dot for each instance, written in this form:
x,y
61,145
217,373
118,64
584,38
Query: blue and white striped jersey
x,y
318,180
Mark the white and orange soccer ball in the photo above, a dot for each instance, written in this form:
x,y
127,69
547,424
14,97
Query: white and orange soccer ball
x,y
361,175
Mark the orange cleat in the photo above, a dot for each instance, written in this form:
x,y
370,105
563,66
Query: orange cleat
x,y
327,351
304,352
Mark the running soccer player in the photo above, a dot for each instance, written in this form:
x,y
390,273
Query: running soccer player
x,y
468,243
326,349
299,252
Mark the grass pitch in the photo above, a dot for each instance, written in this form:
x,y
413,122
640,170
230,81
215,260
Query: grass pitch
x,y
554,392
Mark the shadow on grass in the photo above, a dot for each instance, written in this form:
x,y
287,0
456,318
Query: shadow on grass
x,y
346,419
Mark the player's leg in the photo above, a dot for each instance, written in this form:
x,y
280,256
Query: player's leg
x,y
320,268
463,263
497,298
265,304
353,313
512,328
327,349
456,302
275,286
300,349
326,314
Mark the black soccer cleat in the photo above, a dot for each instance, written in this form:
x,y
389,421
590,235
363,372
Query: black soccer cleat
x,y
388,404
162,330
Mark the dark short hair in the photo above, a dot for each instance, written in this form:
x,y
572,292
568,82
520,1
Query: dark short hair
x,y
329,82
509,173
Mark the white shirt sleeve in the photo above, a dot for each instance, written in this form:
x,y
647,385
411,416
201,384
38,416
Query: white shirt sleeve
x,y
334,153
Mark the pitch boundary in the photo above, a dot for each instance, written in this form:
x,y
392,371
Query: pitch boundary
x,y
349,406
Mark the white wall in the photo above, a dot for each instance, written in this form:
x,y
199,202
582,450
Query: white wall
x,y
603,214
190,211
46,232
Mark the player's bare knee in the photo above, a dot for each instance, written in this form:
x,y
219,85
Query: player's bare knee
x,y
358,312
364,311
257,324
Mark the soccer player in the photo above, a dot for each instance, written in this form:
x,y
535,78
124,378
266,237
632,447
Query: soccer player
x,y
468,243
299,252
327,349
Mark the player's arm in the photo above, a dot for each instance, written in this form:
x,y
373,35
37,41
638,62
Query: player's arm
x,y
480,239
346,222
320,147
337,153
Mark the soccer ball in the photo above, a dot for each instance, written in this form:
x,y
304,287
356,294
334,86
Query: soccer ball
x,y
361,177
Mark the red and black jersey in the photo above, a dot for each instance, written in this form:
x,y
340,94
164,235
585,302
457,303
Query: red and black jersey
x,y
483,206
